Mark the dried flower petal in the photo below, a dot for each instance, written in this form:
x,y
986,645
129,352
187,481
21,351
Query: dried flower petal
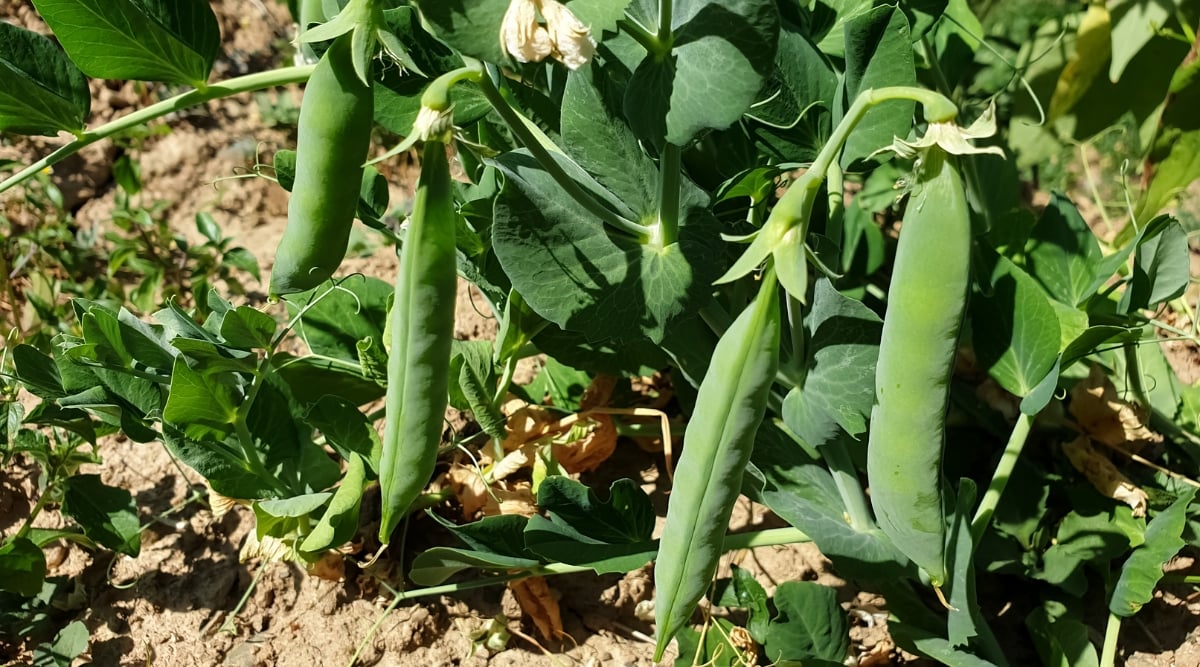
x,y
520,34
571,39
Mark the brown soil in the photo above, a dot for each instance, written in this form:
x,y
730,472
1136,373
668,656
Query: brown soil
x,y
174,604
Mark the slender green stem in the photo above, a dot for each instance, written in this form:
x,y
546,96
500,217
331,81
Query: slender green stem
x,y
37,509
845,477
796,367
640,35
241,425
1186,579
1004,470
668,196
1108,654
230,623
835,185
1133,369
510,370
762,538
241,84
666,35
539,152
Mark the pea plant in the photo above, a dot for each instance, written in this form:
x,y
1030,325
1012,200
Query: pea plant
x,y
810,215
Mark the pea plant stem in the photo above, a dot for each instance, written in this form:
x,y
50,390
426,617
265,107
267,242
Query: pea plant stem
x,y
527,138
666,35
241,84
763,538
668,199
640,34
845,478
1108,653
1185,579
1004,470
241,425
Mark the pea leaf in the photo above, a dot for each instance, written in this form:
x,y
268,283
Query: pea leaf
x,y
346,429
198,399
1015,329
922,642
562,543
22,567
1161,265
434,566
795,105
1063,252
248,328
1141,573
722,52
107,514
744,592
334,325
1061,642
43,92
878,53
339,522
1174,159
68,644
627,516
174,41
575,273
219,462
810,626
842,347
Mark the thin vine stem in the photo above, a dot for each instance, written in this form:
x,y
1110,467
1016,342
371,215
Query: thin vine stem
x,y
1000,479
1108,654
234,86
670,170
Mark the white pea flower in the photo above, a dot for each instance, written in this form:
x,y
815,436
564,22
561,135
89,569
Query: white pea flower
x,y
952,138
521,35
564,36
572,40
433,124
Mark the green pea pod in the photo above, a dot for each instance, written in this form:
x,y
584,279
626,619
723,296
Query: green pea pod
x,y
422,325
717,445
334,134
928,295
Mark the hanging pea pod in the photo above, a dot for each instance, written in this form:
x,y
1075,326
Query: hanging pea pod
x,y
422,325
926,301
720,435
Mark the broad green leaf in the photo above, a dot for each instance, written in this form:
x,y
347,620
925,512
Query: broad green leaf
x,y
473,384
559,385
470,26
279,517
965,626
1061,642
339,523
802,492
562,543
878,53
842,346
1086,535
22,567
722,52
248,328
796,101
283,440
44,537
37,372
810,626
1015,330
43,92
1174,158
339,320
626,517
1063,252
107,514
711,649
1134,24
599,15
922,642
148,40
214,357
598,282
744,592
1161,265
436,565
1141,573
69,643
312,377
218,462
635,358
199,399
503,534
346,429
595,134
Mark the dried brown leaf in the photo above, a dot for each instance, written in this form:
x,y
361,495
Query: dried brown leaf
x,y
1108,418
468,487
588,453
1103,475
598,393
331,566
540,604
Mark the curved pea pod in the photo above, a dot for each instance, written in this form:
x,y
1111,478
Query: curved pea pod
x,y
928,294
717,445
333,135
422,325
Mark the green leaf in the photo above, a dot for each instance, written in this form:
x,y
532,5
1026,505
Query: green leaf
x,y
744,592
810,625
796,101
1063,252
278,517
38,372
472,385
174,41
1161,265
199,399
922,642
242,259
44,92
1141,573
69,643
339,523
248,328
722,52
878,53
334,325
472,27
1061,642
842,346
627,516
598,283
438,564
219,462
346,429
284,441
562,543
965,625
1086,535
1134,24
559,385
1174,158
107,514
312,377
22,567
1015,330
715,649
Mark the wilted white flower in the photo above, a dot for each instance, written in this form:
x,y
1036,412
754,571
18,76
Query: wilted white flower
x,y
952,138
433,124
521,35
572,40
564,36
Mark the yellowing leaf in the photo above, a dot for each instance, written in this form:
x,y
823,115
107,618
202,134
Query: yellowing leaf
x,y
540,604
1103,475
1109,418
1093,47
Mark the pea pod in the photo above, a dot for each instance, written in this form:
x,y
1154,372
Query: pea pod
x,y
422,325
928,295
334,134
717,445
